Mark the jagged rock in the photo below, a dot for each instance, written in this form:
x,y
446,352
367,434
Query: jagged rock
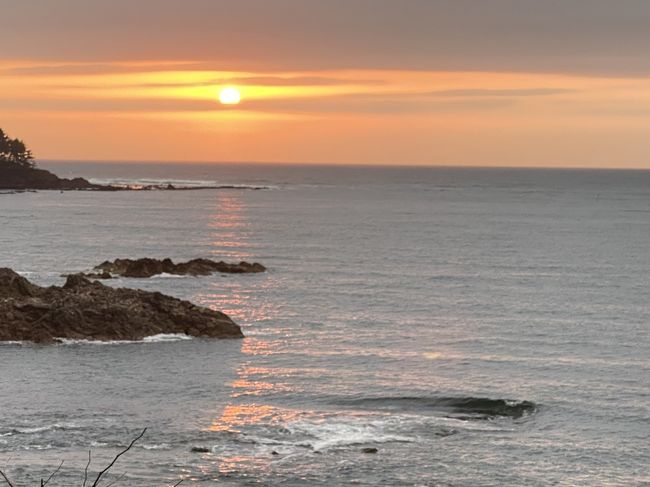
x,y
82,309
150,267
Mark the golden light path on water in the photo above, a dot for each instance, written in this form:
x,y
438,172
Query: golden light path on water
x,y
230,239
250,303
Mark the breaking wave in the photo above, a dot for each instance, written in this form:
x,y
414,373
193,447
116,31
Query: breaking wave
x,y
475,407
161,337
149,183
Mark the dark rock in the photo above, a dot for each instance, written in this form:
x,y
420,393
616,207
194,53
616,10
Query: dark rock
x,y
20,178
13,285
200,449
16,177
274,453
82,309
147,267
369,450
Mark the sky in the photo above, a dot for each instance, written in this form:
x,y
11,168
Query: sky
x,y
561,83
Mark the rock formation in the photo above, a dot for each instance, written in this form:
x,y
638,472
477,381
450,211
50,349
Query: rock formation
x,y
20,178
150,267
13,176
82,309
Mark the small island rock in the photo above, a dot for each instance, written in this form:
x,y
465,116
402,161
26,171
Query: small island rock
x,y
142,268
82,309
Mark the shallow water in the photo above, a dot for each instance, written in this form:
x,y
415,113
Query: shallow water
x,y
396,303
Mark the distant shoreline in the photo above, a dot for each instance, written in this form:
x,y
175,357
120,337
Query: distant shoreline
x,y
18,179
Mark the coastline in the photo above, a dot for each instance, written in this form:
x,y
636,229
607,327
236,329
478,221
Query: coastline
x,y
17,179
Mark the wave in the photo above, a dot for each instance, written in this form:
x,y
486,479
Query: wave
x,y
166,337
165,275
39,429
160,338
339,435
475,407
150,183
157,446
321,435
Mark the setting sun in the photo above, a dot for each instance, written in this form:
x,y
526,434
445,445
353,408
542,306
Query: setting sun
x,y
229,96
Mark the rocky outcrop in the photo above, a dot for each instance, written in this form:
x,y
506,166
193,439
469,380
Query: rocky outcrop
x,y
150,267
82,309
15,177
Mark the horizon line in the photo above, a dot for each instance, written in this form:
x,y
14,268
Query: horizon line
x,y
342,164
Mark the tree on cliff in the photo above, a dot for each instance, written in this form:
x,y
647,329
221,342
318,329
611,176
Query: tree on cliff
x,y
14,151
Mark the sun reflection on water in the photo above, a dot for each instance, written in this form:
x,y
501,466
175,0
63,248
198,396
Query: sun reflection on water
x,y
236,416
248,299
229,235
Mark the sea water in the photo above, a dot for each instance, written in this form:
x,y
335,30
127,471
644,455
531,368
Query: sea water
x,y
477,327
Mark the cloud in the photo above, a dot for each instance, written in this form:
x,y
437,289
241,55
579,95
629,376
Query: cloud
x,y
299,81
599,37
108,105
516,92
375,104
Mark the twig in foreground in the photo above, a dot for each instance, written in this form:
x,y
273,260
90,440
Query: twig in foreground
x,y
6,479
99,475
86,469
44,483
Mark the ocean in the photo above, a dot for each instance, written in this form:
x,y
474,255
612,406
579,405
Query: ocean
x,y
416,327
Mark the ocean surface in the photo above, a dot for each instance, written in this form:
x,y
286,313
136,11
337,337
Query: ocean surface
x,y
478,327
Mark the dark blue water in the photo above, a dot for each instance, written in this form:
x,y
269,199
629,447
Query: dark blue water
x,y
478,327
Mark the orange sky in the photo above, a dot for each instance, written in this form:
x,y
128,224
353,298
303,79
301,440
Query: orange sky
x,y
94,104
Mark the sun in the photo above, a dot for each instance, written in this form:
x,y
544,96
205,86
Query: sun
x,y
229,96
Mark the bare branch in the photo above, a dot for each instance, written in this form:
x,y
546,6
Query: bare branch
x,y
6,479
43,484
116,480
178,483
86,469
99,475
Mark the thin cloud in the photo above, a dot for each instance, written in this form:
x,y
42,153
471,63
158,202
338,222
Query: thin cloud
x,y
300,81
503,92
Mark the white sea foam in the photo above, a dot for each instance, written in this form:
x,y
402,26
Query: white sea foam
x,y
160,446
320,436
166,337
75,341
161,337
177,183
126,182
324,436
47,446
165,275
40,429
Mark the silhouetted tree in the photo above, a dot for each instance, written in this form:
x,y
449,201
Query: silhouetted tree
x,y
4,146
15,151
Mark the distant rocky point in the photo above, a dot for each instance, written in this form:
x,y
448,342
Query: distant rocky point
x,y
82,309
18,173
17,177
146,267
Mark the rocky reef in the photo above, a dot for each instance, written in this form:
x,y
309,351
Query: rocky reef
x,y
16,177
83,309
150,267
